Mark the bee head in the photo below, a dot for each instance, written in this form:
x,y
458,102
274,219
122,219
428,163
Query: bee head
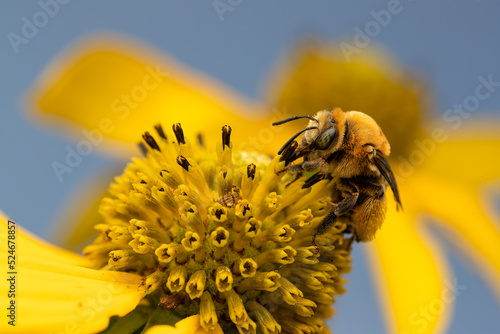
x,y
325,132
330,131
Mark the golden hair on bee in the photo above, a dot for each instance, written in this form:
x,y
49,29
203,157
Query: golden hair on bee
x,y
350,148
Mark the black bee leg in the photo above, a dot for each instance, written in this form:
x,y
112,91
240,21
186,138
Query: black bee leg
x,y
297,176
306,166
349,242
345,205
324,225
339,209
292,169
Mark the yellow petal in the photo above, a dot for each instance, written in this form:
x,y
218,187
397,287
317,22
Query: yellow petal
x,y
412,278
54,293
75,227
467,215
35,247
189,325
468,156
316,75
119,89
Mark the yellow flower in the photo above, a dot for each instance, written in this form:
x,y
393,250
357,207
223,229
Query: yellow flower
x,y
221,235
99,86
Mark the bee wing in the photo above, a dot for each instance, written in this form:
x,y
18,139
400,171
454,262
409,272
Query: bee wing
x,y
386,171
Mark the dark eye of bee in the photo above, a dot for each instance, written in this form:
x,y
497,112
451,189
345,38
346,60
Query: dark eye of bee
x,y
325,138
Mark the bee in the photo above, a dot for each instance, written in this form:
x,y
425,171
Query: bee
x,y
350,148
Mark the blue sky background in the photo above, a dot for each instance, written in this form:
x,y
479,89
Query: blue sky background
x,y
451,42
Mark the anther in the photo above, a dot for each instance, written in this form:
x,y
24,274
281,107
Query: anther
x,y
251,169
151,141
226,136
159,130
183,163
143,149
179,134
200,140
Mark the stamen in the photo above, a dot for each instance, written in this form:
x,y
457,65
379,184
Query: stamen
x,y
159,130
251,171
177,279
266,321
143,149
251,229
196,284
181,161
208,316
281,255
303,307
218,213
224,180
237,311
150,141
223,279
246,268
168,252
179,134
266,281
153,281
226,136
199,136
219,239
191,241
307,255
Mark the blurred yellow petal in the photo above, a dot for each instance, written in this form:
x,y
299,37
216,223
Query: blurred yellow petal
x,y
118,89
464,212
468,156
37,248
315,75
411,275
189,325
54,293
74,229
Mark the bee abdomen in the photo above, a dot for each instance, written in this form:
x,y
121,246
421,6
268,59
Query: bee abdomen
x,y
368,217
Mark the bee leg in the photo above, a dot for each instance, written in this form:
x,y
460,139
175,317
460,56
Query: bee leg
x,y
345,205
306,166
324,225
339,209
350,241
297,176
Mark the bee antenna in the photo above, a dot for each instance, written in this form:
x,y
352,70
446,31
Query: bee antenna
x,y
295,136
293,118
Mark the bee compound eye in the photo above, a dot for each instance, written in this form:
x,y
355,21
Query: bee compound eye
x,y
325,139
369,148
